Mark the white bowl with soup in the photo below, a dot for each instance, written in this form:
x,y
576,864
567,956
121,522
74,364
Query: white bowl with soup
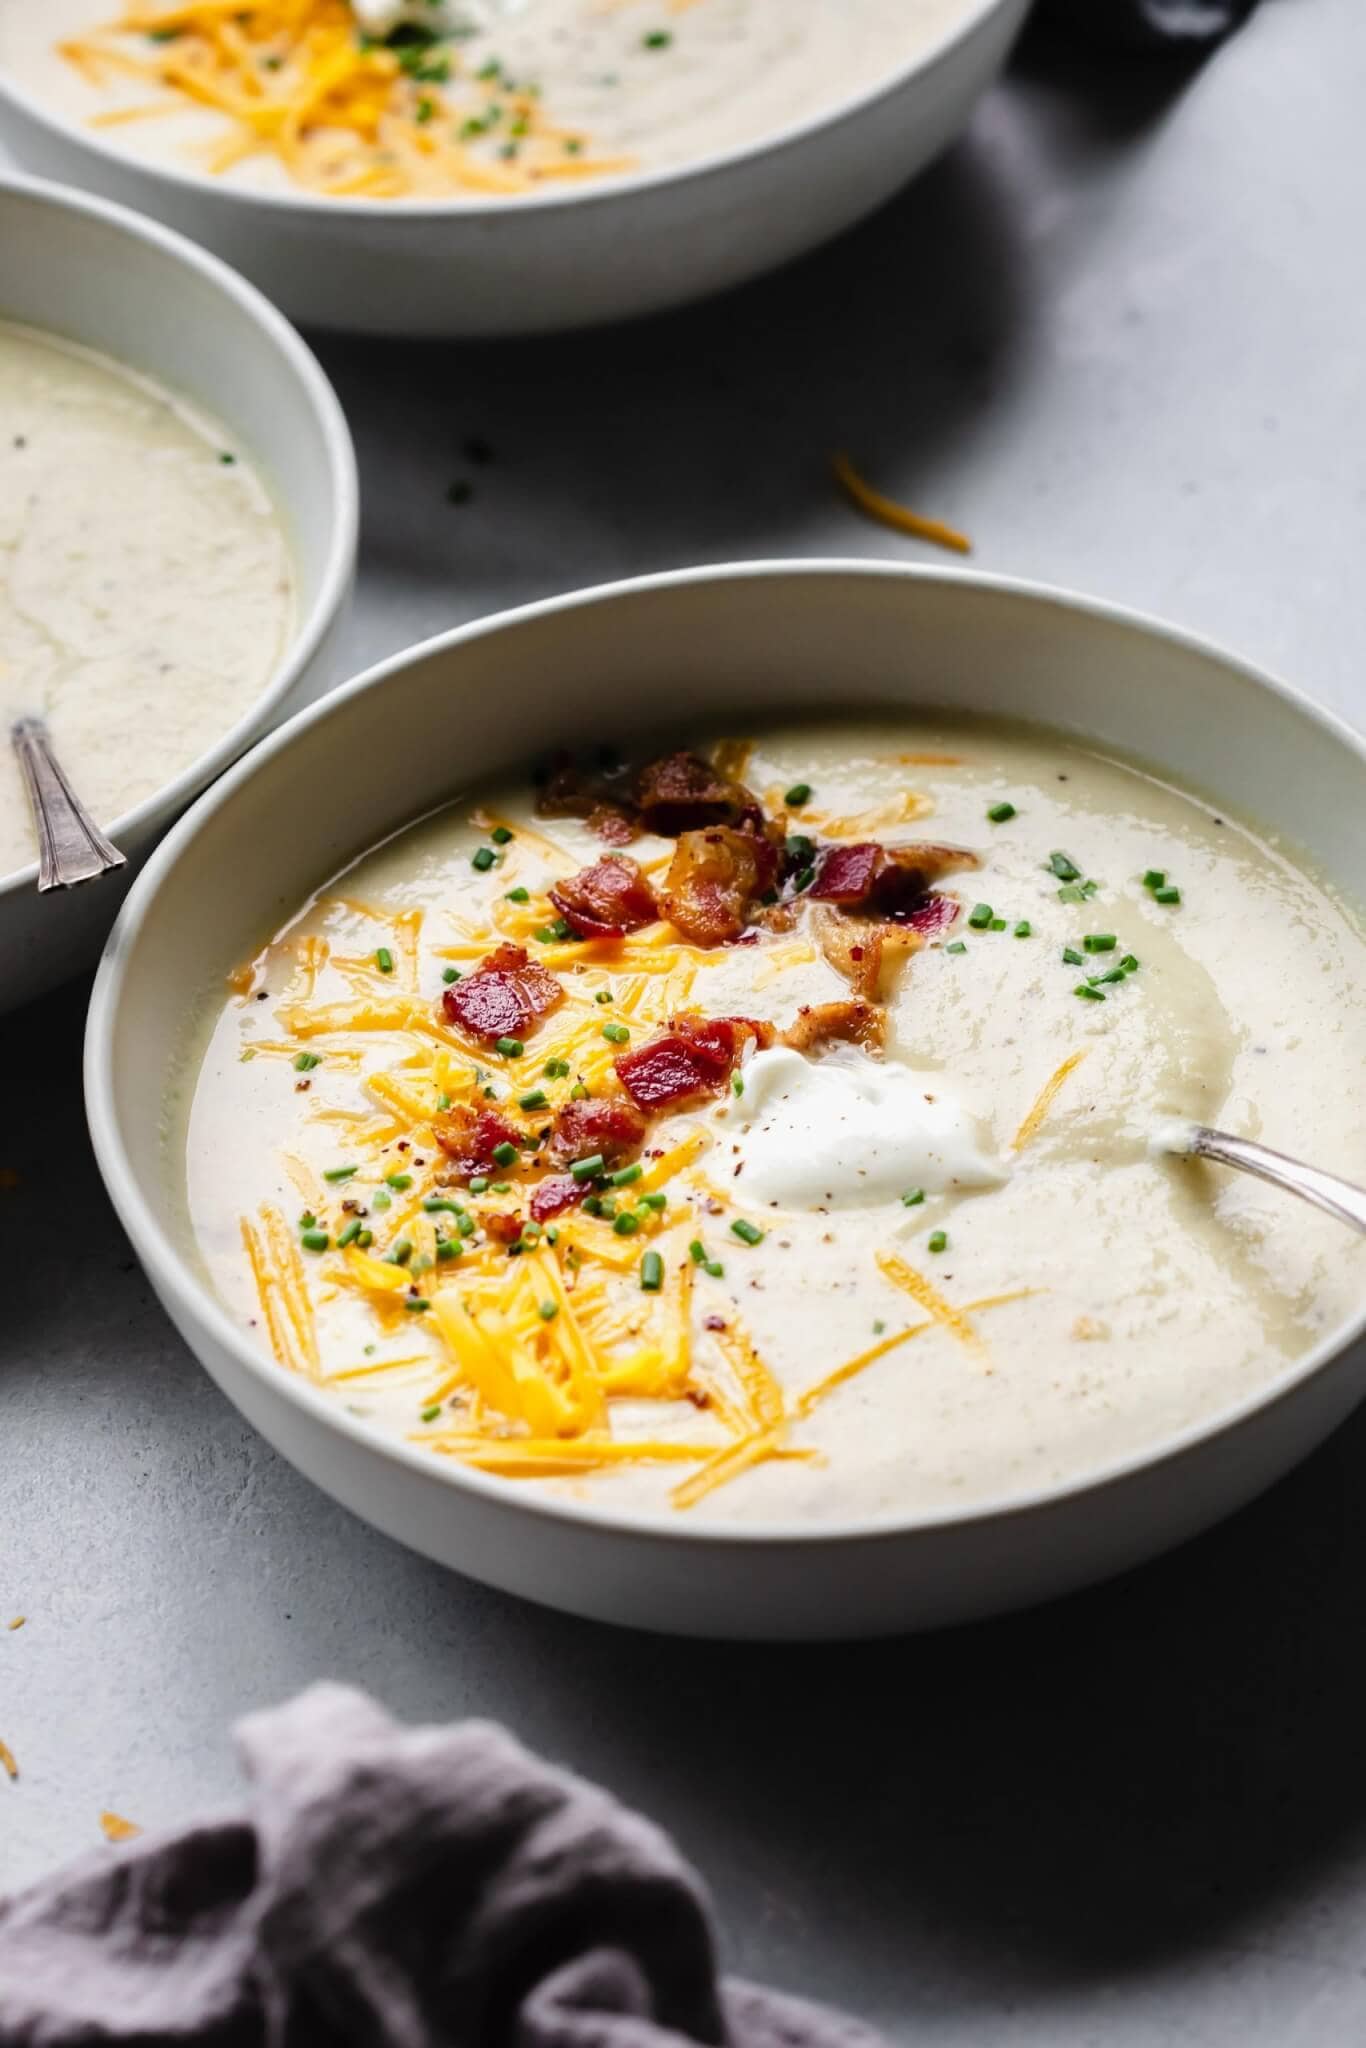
x,y
177,537
700,1175
484,168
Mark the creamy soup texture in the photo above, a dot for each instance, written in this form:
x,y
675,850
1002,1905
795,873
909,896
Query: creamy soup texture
x,y
919,1255
492,100
146,587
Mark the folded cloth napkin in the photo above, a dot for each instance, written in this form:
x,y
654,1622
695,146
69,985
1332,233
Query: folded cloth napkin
x,y
1154,24
388,1887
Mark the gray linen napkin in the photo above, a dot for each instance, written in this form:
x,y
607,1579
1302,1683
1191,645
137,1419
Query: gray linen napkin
x,y
393,1887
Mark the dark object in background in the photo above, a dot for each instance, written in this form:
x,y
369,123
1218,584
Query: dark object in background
x,y
388,1887
1176,25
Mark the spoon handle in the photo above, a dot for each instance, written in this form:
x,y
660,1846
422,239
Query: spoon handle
x,y
1341,1198
71,846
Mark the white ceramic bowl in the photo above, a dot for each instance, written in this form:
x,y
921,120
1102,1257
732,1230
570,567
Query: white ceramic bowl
x,y
560,259
81,268
729,645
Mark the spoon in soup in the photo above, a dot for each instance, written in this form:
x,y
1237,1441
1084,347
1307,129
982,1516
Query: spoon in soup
x,y
71,846
1341,1198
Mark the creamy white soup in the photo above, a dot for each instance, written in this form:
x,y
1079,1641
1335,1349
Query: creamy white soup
x,y
768,1132
146,586
388,101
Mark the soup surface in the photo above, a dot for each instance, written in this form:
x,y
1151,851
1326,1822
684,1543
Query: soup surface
x,y
146,588
385,101
778,1140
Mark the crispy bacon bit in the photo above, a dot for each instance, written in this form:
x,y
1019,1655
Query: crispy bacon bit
x,y
682,793
604,1123
502,1229
693,1057
569,791
863,951
713,879
504,997
468,1136
849,1023
607,899
886,881
553,1196
932,914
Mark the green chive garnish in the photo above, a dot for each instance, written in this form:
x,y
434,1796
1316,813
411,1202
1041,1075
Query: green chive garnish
x,y
519,895
658,39
430,1414
365,1240
436,1205
999,813
505,1154
651,1273
1024,929
1085,990
1129,963
715,1268
588,1169
1073,957
998,924
697,1252
449,1248
656,1202
314,1240
955,946
1167,895
510,1048
535,1098
799,794
381,1201
465,1224
384,960
624,1175
399,1182
500,835
1100,942
913,1197
1154,878
737,1084
747,1232
479,1184
626,1225
549,1310
401,1252
1064,868
449,974
604,995
340,1172
980,917
937,1241
417,1304
556,1070
617,1033
482,859
305,1062
349,1234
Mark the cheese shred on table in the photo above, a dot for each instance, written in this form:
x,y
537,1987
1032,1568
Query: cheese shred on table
x,y
344,114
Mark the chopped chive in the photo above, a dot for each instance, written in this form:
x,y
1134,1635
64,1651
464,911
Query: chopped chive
x,y
799,794
417,1305
592,1205
803,878
604,995
535,1098
307,1220
1064,868
737,1084
980,917
479,1184
552,1235
588,1169
1167,895
617,1033
747,1232
465,1224
1084,989
305,1062
1154,878
349,1234
624,1175
658,39
500,1187
1100,942
1129,963
913,1197
443,1101
656,1202
1073,957
335,1173
715,1268
998,924
1114,974
401,1252
548,1311
399,1182
955,946
799,848
651,1273
449,1248
430,1414
365,1240
999,813
500,835
384,960
626,1225
510,1048
697,1252
519,895
314,1240
937,1241
381,1201
437,1205
556,1070
482,858
449,974
505,1154
578,1093
1024,929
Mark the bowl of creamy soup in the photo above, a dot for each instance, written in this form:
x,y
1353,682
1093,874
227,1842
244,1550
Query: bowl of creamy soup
x,y
177,536
495,166
679,1144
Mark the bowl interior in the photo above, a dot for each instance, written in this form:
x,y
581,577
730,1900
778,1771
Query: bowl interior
x,y
705,647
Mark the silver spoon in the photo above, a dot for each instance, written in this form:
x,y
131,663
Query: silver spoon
x,y
1339,1197
71,846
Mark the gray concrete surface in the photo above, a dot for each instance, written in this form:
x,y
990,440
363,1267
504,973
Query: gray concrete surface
x,y
1118,335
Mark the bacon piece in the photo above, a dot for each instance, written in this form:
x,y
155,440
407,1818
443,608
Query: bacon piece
x,y
863,950
569,791
468,1136
714,877
504,997
551,1197
886,881
932,914
694,1057
501,1228
603,1123
850,1023
607,899
682,792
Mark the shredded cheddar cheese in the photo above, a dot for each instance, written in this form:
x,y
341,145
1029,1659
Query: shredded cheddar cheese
x,y
116,1829
7,1761
887,512
1045,1099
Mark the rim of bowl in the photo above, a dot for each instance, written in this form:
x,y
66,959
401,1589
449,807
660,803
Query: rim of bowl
x,y
171,1273
976,15
339,563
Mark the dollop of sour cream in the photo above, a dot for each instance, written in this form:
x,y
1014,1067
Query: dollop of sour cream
x,y
848,1131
